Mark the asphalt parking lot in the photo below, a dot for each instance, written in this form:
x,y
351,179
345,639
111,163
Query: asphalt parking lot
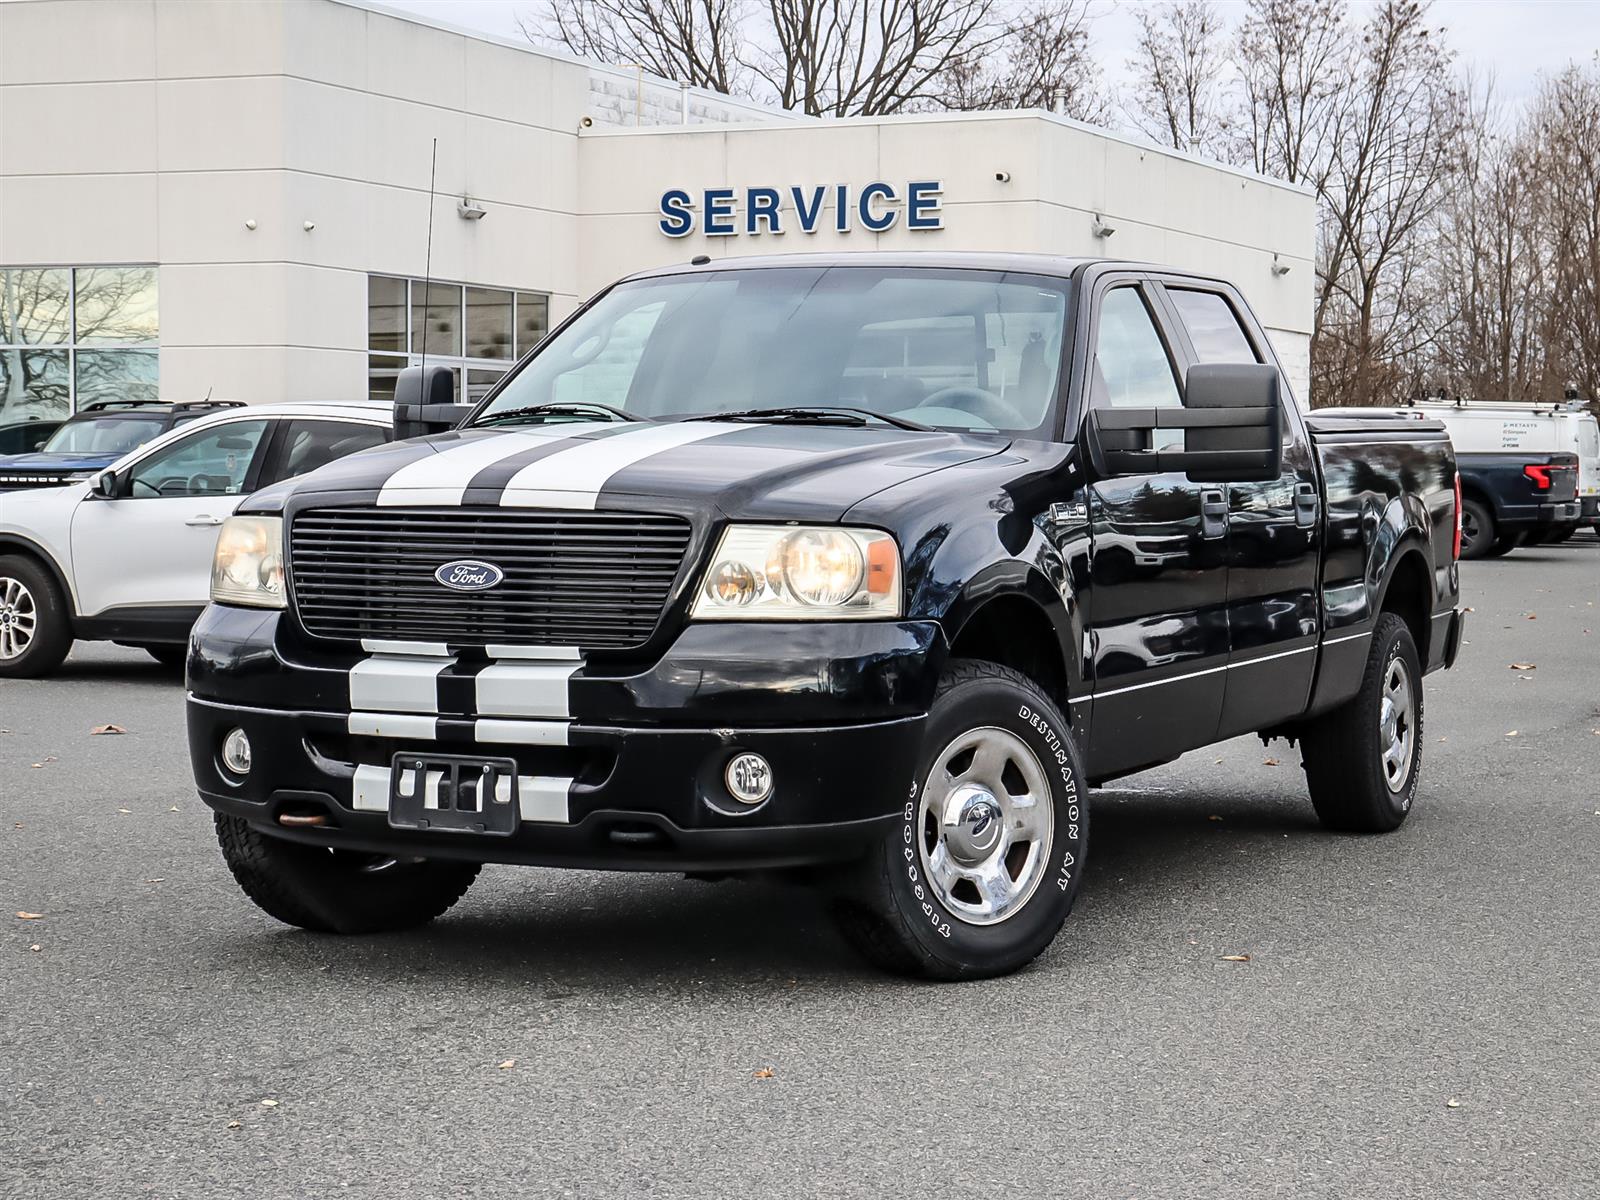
x,y
1419,1014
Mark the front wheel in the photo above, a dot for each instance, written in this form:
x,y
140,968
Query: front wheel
x,y
338,891
1363,759
982,868
35,623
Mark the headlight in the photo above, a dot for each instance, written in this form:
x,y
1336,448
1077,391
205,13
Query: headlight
x,y
813,573
248,568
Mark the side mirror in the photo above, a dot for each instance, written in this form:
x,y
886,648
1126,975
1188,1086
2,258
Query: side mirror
x,y
425,402
1232,423
110,485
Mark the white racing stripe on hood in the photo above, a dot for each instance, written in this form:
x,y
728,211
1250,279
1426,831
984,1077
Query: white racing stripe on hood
x,y
442,478
574,478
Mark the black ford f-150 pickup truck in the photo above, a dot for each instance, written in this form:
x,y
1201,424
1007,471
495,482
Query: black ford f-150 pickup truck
x,y
865,568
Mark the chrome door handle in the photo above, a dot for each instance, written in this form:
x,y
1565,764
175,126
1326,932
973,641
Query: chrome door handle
x,y
202,519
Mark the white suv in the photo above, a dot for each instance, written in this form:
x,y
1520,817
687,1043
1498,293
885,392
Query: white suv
x,y
126,556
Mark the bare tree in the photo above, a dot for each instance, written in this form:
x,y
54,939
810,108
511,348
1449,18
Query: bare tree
x,y
870,57
1294,59
1565,159
1178,89
1042,60
693,41
1391,154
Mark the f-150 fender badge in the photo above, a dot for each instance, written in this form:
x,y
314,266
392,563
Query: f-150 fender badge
x,y
469,575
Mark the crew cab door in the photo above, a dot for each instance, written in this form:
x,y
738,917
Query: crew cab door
x,y
1157,598
151,547
1274,530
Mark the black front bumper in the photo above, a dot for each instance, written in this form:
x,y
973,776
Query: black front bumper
x,y
836,709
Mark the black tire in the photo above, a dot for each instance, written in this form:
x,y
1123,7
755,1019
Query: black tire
x,y
1505,544
31,607
891,911
336,891
1477,529
1342,752
172,657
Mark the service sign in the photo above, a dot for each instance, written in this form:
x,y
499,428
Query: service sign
x,y
836,207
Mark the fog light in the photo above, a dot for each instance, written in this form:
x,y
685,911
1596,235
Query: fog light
x,y
749,778
236,752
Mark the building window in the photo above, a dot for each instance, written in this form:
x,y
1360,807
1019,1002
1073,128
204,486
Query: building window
x,y
477,332
69,335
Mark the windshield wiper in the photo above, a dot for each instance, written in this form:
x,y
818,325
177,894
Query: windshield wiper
x,y
556,408
833,414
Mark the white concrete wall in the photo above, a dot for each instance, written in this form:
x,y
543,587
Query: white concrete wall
x,y
1165,207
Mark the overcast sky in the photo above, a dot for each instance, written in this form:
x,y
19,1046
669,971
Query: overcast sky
x,y
1516,39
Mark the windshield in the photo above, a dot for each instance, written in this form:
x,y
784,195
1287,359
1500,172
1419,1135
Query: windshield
x,y
954,349
103,435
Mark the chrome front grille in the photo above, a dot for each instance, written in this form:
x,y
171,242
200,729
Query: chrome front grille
x,y
588,579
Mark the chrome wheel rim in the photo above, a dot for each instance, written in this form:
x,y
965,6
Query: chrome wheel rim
x,y
984,825
19,618
1397,726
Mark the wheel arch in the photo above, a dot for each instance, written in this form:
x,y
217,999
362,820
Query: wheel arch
x,y
1010,614
1407,592
16,543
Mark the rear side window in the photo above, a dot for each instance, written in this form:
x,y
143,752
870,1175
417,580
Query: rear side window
x,y
1213,327
1131,365
310,444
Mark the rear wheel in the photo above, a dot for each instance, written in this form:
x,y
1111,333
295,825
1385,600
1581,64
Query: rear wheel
x,y
983,867
35,625
339,891
1362,760
1477,529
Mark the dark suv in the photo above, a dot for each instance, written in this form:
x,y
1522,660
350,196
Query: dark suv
x,y
102,432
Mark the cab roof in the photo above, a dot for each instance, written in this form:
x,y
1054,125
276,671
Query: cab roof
x,y
1058,265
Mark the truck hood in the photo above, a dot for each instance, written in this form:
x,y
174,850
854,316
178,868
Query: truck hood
x,y
745,471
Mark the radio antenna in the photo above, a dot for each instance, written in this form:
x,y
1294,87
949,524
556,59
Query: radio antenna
x,y
427,261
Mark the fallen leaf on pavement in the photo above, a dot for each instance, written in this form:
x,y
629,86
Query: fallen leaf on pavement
x,y
36,947
765,1073
100,729
1533,616
1513,733
28,916
269,1104
235,1124
124,810
1269,762
1235,958
508,1064
1452,1103
1523,667
1213,817
174,808
157,879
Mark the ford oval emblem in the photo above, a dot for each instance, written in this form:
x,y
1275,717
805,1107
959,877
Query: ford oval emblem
x,y
469,575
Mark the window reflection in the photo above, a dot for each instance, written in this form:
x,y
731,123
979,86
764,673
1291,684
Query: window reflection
x,y
441,334
386,313
488,323
117,375
71,335
35,307
115,306
475,331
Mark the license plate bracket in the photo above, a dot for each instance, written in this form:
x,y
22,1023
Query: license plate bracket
x,y
448,793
